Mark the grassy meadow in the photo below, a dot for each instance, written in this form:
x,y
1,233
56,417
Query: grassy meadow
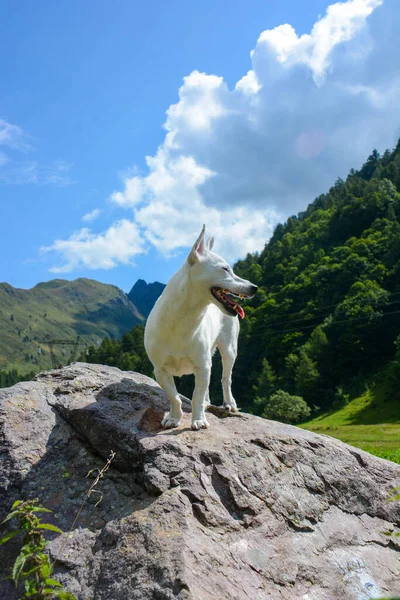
x,y
370,422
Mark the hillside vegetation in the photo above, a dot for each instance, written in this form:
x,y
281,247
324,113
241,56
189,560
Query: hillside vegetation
x,y
59,309
325,320
127,353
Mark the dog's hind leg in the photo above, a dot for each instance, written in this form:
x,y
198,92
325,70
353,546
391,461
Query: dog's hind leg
x,y
166,381
227,343
200,398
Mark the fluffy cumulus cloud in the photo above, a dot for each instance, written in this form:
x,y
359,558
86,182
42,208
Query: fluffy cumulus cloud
x,y
118,245
311,107
17,170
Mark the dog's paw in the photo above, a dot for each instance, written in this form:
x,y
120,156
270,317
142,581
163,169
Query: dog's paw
x,y
231,407
168,422
200,424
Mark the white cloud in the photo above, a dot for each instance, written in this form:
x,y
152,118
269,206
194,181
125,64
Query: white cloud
x,y
248,84
201,100
118,245
30,171
174,211
13,136
132,194
311,107
342,21
16,171
92,215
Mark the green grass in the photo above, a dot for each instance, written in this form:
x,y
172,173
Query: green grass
x,y
370,422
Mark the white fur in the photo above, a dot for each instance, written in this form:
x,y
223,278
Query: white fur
x,y
187,324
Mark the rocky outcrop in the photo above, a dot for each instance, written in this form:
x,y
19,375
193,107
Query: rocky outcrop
x,y
248,509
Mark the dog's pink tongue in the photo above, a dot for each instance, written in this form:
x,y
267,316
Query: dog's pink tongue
x,y
240,311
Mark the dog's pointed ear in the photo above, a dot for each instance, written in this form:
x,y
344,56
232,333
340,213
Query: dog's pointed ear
x,y
198,249
210,243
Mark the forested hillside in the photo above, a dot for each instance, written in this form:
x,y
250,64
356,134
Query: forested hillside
x,y
127,353
324,323
327,315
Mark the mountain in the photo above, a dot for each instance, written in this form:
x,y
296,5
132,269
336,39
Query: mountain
x,y
62,310
144,295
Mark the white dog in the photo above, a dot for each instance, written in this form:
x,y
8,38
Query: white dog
x,y
194,315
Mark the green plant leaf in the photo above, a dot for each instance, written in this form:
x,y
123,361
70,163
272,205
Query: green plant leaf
x,y
9,536
16,503
53,582
46,570
30,587
64,595
28,550
17,568
28,508
49,527
30,571
11,515
41,509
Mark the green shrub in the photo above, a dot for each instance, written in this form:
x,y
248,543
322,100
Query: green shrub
x,y
286,408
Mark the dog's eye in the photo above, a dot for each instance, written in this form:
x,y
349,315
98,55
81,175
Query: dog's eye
x,y
225,269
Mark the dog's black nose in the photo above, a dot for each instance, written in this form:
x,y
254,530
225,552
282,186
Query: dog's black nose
x,y
254,288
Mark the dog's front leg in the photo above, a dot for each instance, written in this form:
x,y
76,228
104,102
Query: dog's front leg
x,y
228,355
166,381
202,381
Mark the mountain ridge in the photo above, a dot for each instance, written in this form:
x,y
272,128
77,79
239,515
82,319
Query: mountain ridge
x,y
59,309
144,295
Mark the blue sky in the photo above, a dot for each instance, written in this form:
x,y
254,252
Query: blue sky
x,y
89,89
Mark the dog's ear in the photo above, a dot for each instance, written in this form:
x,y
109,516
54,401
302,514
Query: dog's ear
x,y
198,249
210,243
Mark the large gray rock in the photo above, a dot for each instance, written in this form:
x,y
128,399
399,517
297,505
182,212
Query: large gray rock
x,y
248,509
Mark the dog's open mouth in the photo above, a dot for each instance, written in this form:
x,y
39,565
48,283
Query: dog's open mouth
x,y
227,299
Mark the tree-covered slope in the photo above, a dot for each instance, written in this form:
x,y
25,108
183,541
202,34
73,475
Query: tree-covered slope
x,y
327,314
127,354
59,309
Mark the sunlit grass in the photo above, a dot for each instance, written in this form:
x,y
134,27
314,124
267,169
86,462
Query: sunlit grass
x,y
369,422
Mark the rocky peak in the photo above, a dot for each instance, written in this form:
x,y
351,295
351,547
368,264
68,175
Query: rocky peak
x,y
249,508
144,295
